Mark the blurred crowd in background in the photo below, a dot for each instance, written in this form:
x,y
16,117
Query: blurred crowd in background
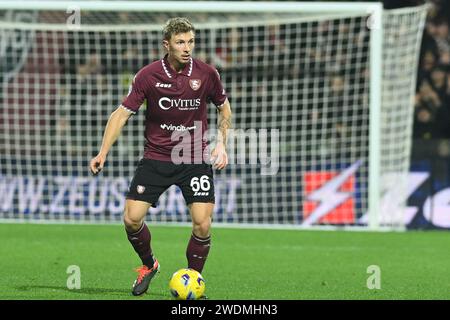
x,y
87,71
432,100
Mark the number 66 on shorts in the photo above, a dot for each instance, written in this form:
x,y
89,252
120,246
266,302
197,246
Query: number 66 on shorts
x,y
200,186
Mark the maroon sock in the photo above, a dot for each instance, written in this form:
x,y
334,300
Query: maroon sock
x,y
140,241
197,252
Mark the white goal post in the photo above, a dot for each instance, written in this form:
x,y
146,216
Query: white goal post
x,y
330,84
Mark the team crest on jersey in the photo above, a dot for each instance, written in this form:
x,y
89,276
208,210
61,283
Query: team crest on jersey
x,y
195,84
140,189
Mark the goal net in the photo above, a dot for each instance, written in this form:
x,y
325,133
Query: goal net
x,y
310,118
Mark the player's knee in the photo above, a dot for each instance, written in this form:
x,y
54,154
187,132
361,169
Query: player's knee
x,y
201,228
131,223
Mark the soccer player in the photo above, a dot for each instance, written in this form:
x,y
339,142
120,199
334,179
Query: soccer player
x,y
177,89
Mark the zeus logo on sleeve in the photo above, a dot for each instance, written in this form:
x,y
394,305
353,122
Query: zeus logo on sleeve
x,y
163,85
182,104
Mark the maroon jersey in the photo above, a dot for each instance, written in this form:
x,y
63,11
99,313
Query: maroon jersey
x,y
176,102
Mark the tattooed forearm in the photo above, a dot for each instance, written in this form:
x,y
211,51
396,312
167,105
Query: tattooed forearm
x,y
224,123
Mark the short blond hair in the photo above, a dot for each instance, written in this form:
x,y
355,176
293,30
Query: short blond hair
x,y
175,26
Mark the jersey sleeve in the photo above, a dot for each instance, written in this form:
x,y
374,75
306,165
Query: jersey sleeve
x,y
217,93
136,94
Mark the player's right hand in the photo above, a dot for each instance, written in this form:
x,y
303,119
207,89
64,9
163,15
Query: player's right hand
x,y
97,163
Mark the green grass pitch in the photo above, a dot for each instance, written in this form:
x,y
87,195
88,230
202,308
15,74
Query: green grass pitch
x,y
243,263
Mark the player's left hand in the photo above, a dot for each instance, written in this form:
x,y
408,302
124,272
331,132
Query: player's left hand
x,y
219,157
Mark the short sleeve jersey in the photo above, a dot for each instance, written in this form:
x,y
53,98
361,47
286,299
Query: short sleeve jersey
x,y
176,101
